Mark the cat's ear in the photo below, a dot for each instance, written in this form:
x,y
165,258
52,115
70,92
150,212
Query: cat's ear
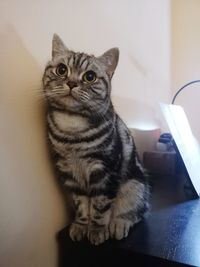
x,y
58,47
110,59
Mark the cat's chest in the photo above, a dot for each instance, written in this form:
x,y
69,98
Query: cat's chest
x,y
70,123
78,167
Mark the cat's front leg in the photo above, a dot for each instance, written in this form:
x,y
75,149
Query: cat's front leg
x,y
128,208
79,227
100,212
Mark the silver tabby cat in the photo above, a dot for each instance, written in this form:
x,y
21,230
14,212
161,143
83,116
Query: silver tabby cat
x,y
93,151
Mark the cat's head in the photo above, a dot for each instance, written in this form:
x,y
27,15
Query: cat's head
x,y
77,81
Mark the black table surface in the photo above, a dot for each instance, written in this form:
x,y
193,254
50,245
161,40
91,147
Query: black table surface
x,y
168,236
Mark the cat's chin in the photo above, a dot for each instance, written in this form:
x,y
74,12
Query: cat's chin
x,y
70,102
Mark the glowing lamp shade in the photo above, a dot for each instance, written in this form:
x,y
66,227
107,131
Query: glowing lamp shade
x,y
145,139
186,143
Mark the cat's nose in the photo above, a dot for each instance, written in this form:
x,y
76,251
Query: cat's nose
x,y
71,84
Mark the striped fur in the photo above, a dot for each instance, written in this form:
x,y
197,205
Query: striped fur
x,y
94,152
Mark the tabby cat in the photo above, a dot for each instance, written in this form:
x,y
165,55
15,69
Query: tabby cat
x,y
94,152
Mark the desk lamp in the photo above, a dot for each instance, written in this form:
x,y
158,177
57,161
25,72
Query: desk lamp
x,y
185,143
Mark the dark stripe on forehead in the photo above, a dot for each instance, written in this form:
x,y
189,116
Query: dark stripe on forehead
x,y
87,64
84,59
74,58
79,56
70,61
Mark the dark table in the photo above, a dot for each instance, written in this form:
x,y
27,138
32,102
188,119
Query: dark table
x,y
168,236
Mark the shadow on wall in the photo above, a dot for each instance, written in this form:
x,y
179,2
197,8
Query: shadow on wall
x,y
31,206
136,114
142,121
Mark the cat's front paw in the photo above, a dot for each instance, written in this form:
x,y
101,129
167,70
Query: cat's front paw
x,y
77,231
98,236
119,228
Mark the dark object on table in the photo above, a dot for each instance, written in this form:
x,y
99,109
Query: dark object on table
x,y
160,163
166,138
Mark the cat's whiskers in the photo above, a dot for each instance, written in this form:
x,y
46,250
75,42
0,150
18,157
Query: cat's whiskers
x,y
58,86
83,98
56,94
38,94
59,89
84,95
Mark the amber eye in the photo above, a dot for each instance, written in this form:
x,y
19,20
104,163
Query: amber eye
x,y
89,77
61,70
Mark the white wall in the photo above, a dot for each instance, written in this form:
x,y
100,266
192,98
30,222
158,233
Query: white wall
x,y
31,207
141,29
186,57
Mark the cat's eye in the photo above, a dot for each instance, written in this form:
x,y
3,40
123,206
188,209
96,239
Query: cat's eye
x,y
89,77
61,70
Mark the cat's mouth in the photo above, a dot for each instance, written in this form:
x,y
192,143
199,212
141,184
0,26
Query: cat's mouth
x,y
70,98
72,95
67,95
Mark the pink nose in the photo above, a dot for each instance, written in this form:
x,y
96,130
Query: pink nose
x,y
71,84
